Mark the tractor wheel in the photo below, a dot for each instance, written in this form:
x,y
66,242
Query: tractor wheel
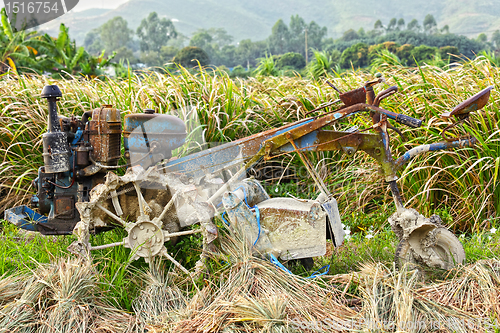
x,y
444,252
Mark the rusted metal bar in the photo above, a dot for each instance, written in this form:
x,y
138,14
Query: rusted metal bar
x,y
398,201
461,143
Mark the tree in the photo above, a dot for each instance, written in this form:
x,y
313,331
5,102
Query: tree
x,y
92,42
423,53
350,35
154,32
430,25
404,53
215,42
244,51
315,35
279,39
446,52
201,39
63,51
247,52
168,53
220,36
496,38
17,47
413,26
392,24
482,37
401,24
115,34
378,28
190,56
297,35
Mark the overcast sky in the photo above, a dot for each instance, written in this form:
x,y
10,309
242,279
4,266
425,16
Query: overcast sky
x,y
86,4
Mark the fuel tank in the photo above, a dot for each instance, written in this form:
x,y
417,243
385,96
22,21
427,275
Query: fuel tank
x,y
150,137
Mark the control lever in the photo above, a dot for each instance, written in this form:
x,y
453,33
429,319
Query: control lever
x,y
331,85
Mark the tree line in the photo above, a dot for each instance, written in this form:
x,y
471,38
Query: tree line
x,y
298,46
289,46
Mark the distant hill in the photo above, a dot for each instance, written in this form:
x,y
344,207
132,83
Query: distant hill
x,y
254,19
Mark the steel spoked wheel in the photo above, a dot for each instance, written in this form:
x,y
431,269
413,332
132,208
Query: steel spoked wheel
x,y
141,203
440,248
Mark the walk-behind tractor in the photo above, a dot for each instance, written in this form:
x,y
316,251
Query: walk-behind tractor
x,y
160,196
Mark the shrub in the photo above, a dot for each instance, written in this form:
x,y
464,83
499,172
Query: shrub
x,y
291,59
190,56
423,53
355,56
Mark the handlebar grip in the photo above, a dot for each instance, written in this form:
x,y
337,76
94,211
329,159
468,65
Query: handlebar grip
x,y
408,121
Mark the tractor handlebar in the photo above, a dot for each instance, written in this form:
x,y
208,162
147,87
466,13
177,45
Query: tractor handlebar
x,y
408,121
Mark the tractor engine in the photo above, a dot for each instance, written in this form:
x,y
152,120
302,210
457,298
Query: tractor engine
x,y
78,153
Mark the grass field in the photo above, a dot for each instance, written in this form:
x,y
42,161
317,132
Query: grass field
x,y
45,289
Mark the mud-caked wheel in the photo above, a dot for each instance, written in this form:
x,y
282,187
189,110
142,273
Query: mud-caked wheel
x,y
439,248
141,202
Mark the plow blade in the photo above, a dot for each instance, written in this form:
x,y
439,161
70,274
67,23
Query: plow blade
x,y
25,218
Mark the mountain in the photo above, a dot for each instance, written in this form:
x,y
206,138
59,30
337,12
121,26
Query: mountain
x,y
254,19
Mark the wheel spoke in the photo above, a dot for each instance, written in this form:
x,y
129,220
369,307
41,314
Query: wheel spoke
x,y
116,203
117,218
182,233
106,246
164,253
167,207
143,206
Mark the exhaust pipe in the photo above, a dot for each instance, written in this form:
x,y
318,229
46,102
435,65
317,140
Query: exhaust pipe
x,y
56,151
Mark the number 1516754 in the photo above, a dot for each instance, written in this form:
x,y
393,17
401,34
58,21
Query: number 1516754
x,y
35,7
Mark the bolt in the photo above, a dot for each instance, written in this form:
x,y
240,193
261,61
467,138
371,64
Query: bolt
x,y
141,227
134,236
140,248
154,228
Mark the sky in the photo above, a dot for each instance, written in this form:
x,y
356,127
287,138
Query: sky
x,y
87,4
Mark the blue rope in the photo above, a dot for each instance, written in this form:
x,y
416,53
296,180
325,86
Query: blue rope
x,y
257,212
223,219
277,263
315,274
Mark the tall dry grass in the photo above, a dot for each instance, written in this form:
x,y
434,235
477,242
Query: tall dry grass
x,y
463,182
238,292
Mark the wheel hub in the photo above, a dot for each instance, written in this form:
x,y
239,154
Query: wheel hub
x,y
145,238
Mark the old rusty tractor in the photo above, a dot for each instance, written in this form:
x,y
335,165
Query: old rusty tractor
x,y
160,196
